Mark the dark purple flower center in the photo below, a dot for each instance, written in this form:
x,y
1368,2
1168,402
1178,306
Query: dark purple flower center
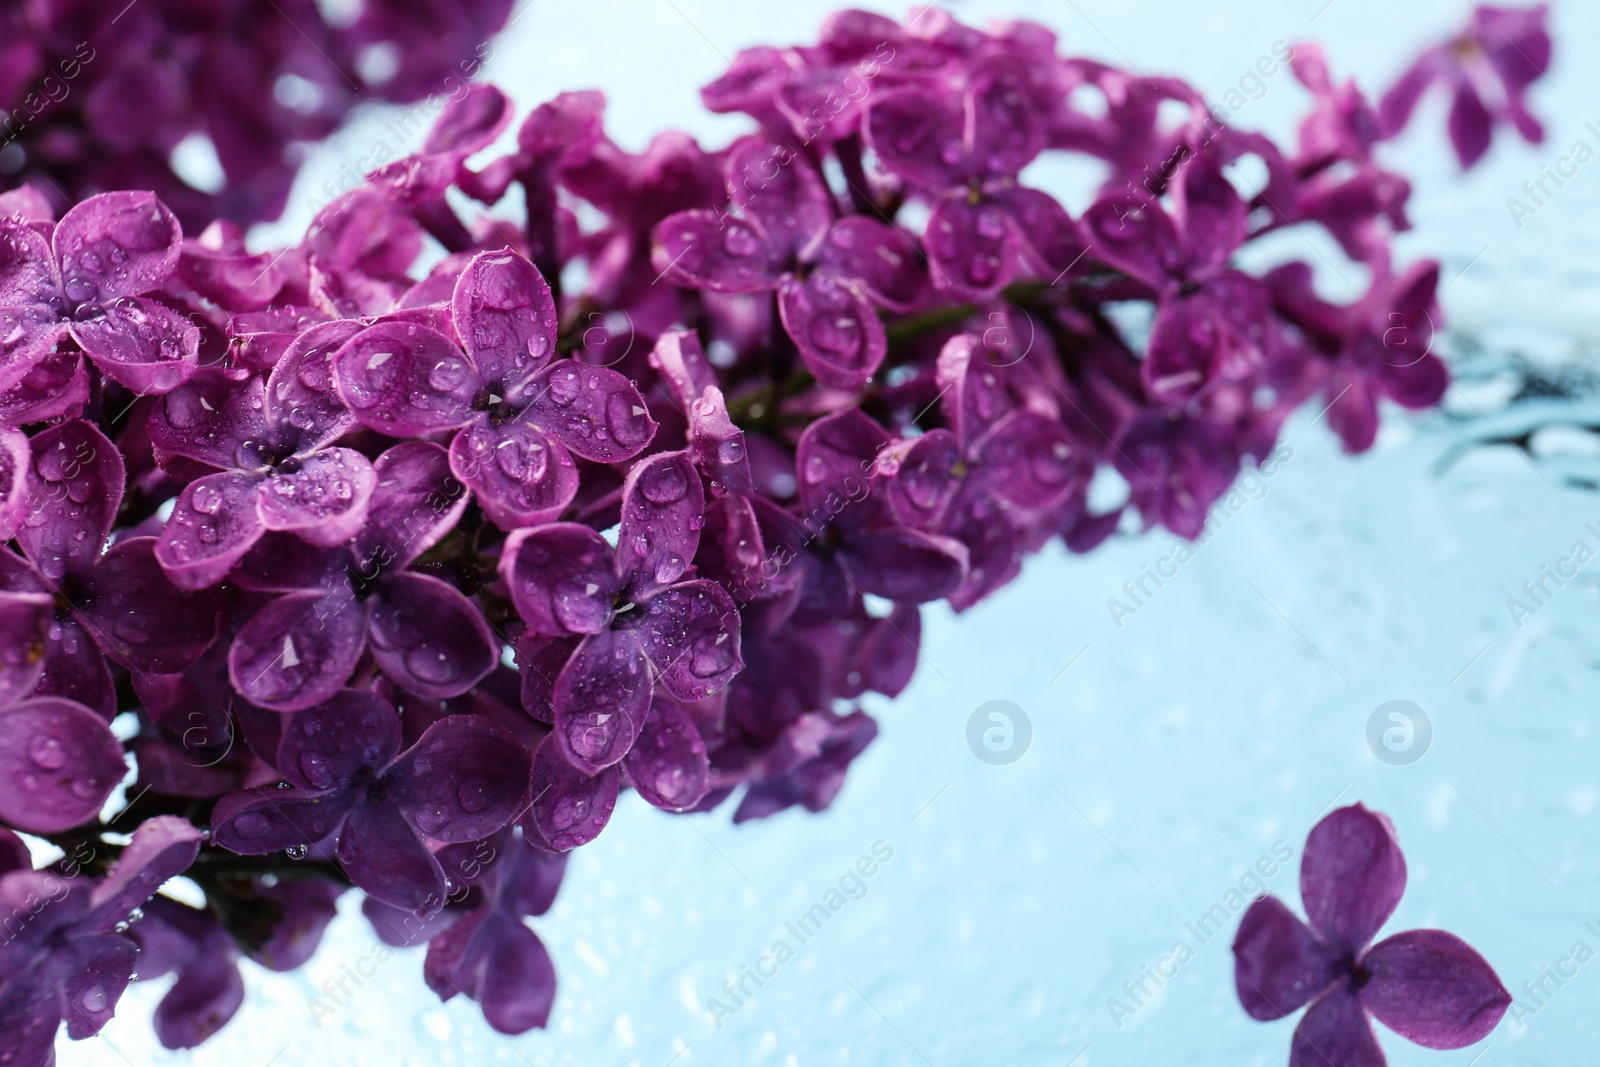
x,y
492,401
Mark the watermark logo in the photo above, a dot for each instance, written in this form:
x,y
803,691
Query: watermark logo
x,y
1399,732
999,732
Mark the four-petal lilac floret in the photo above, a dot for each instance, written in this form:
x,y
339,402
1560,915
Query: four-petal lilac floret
x,y
347,780
640,620
87,279
1426,985
521,416
829,273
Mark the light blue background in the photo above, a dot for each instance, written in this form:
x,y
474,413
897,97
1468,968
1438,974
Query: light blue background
x,y
1223,717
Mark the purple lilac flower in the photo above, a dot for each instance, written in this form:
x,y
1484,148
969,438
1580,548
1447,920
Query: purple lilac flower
x,y
829,273
1426,985
488,953
964,151
521,415
347,780
88,278
108,604
1488,69
271,441
640,619
70,960
332,605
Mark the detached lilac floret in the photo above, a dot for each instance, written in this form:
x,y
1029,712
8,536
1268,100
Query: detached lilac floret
x,y
640,619
347,782
1426,985
87,280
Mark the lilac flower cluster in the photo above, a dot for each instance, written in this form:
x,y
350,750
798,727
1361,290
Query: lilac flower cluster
x,y
399,553
97,96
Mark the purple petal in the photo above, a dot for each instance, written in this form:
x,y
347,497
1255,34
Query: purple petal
x,y
1279,964
463,780
1335,1033
28,276
26,623
1028,460
403,379
208,992
833,324
906,566
75,668
58,764
886,656
213,524
77,485
972,247
162,847
14,488
881,258
428,638
719,445
663,507
28,336
139,616
667,763
499,963
91,973
1048,237
300,393
470,123
212,418
519,476
298,650
780,192
596,412
1351,876
323,501
531,887
254,822
562,578
715,251
1136,236
1401,99
569,807
383,855
414,504
506,318
1433,988
57,386
30,1016
326,747
539,662
925,480
517,987
1004,133
116,244
1469,126
836,460
140,343
691,634
601,698
918,136
682,362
